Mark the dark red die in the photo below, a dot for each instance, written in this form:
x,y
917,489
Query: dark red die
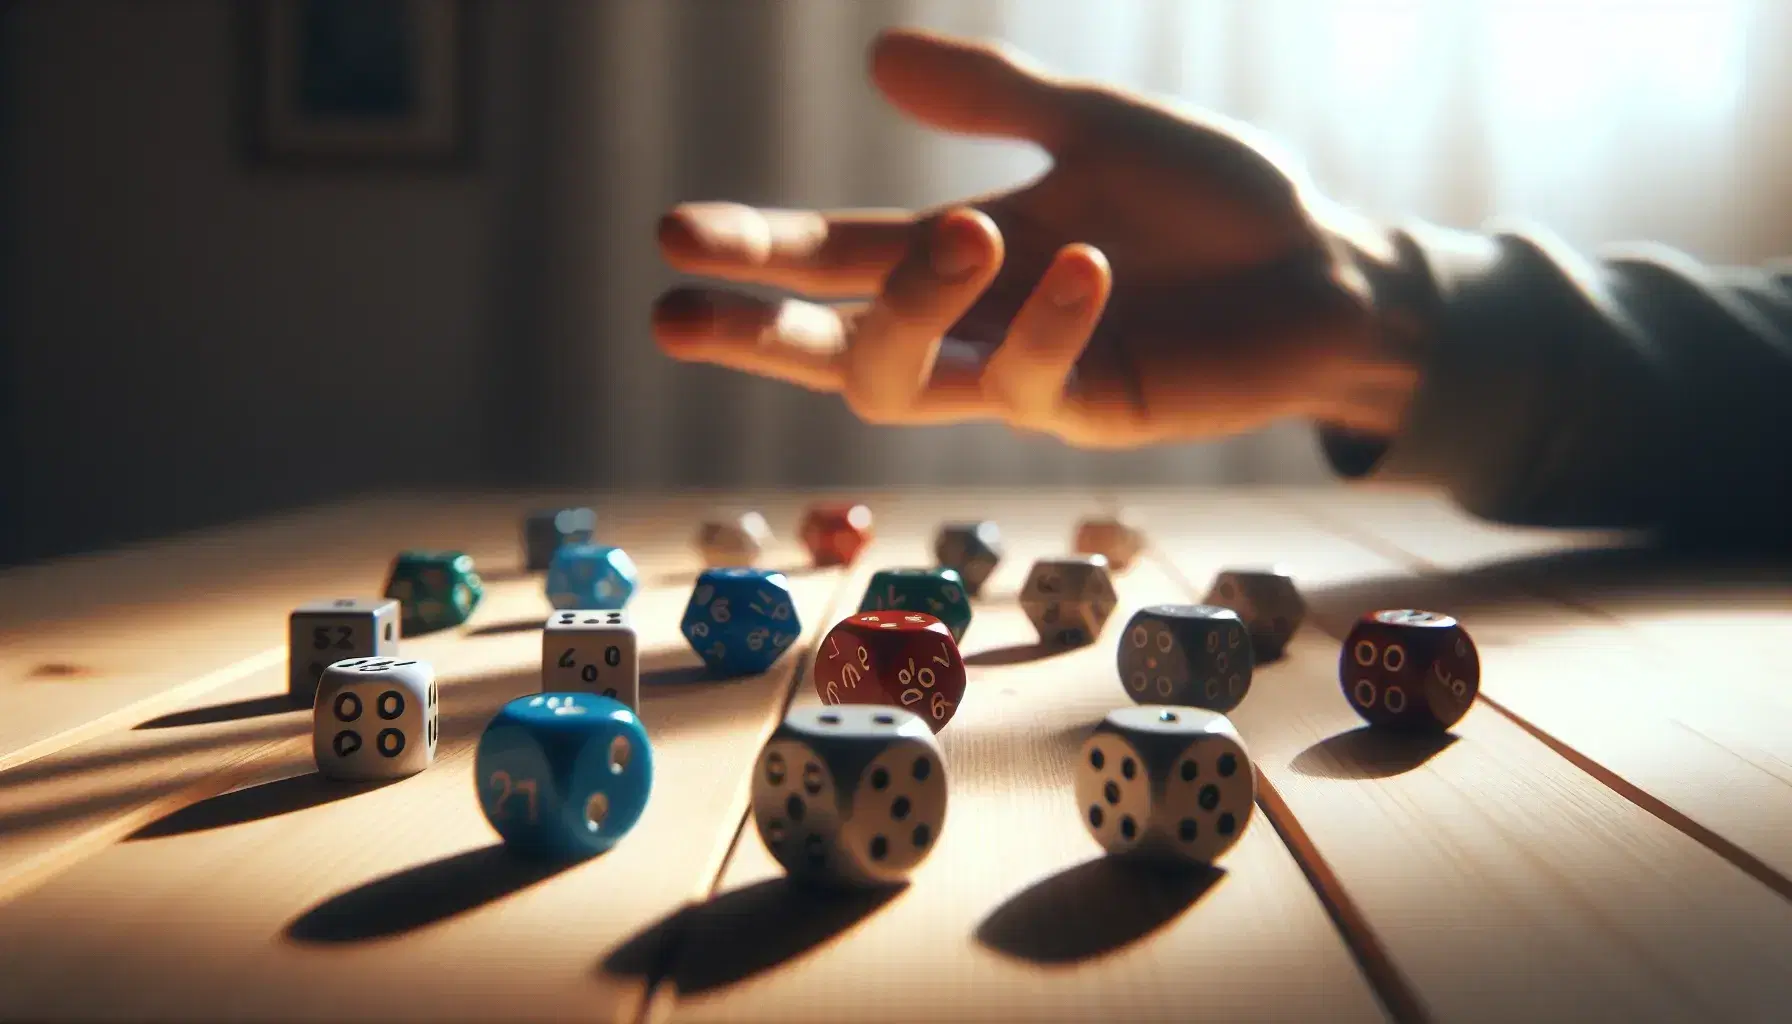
x,y
835,534
902,658
1409,669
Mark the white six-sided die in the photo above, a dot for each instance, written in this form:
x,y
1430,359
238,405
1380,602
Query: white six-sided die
x,y
591,652
375,718
1166,784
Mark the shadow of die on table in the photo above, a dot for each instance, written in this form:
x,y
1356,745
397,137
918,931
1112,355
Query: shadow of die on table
x,y
420,896
1370,753
529,625
255,803
1093,909
233,711
740,934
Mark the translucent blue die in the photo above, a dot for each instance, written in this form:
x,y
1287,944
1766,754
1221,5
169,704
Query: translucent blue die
x,y
590,576
563,776
740,621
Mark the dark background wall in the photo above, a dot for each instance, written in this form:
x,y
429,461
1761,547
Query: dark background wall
x,y
191,337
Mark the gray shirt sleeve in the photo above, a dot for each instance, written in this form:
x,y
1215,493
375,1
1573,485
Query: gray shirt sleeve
x,y
1635,389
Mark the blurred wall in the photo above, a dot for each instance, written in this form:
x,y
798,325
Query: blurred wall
x,y
190,338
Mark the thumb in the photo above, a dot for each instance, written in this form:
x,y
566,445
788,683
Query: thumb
x,y
974,88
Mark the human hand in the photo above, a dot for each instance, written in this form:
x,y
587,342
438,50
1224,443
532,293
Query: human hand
x,y
1166,279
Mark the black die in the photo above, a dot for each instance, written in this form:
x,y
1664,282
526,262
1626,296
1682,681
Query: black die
x,y
1192,655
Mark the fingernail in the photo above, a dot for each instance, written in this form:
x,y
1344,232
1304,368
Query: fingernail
x,y
957,250
1071,290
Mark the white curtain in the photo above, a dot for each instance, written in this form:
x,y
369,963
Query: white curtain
x,y
1605,119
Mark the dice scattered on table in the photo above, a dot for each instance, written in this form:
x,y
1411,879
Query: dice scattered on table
x,y
585,576
434,589
374,718
545,530
592,651
1113,538
1268,602
324,632
740,621
563,776
938,592
1165,784
733,541
836,533
1068,599
853,796
974,549
1409,669
1196,655
901,659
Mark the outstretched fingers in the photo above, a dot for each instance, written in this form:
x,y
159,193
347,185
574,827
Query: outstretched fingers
x,y
798,342
826,255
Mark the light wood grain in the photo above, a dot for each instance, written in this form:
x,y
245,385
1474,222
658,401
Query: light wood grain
x,y
1668,674
221,729
105,641
1503,881
297,899
1016,916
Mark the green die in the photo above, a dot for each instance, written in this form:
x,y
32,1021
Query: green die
x,y
434,589
938,592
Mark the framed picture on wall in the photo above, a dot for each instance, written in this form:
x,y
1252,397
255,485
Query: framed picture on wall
x,y
357,82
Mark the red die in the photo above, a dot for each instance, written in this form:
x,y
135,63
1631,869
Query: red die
x,y
1409,669
835,534
892,657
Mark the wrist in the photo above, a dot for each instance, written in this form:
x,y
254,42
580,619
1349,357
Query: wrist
x,y
1373,381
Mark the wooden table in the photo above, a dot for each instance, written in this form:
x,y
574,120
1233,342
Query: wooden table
x,y
1606,836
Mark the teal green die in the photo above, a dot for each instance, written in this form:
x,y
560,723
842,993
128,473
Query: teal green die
x,y
938,592
434,589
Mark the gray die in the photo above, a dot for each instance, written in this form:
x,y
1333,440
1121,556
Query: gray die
x,y
1192,654
1268,602
323,632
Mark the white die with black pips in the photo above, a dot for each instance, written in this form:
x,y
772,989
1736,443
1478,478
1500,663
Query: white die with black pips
x,y
1166,784
850,795
592,651
375,718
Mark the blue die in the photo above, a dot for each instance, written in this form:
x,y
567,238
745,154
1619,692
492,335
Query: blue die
x,y
591,576
740,620
563,776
